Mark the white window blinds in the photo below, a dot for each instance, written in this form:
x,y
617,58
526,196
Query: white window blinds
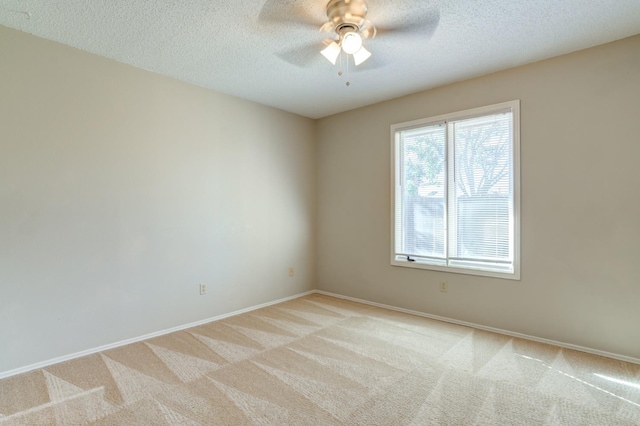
x,y
482,191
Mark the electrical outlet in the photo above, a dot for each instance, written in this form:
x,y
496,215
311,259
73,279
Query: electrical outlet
x,y
443,286
291,271
203,289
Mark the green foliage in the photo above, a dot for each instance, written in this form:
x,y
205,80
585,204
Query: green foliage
x,y
424,161
482,158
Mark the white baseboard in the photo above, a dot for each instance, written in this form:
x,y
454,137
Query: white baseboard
x,y
492,329
57,360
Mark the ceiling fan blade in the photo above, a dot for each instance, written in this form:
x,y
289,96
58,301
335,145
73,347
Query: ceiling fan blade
x,y
368,30
424,24
301,56
292,12
327,27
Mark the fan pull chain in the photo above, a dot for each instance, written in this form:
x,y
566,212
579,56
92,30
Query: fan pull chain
x,y
348,82
340,71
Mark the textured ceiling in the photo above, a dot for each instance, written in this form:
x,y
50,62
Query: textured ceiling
x,y
267,51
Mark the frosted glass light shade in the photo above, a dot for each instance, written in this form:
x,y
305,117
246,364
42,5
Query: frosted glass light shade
x,y
331,52
351,43
361,55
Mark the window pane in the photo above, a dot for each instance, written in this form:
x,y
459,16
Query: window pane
x,y
423,191
483,188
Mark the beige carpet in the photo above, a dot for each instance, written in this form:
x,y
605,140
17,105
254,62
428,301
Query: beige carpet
x,y
322,361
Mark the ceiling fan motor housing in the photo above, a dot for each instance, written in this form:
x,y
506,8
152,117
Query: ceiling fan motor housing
x,y
347,13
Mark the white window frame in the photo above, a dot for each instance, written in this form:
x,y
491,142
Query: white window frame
x,y
514,106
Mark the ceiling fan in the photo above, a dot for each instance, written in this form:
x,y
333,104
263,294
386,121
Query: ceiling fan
x,y
347,22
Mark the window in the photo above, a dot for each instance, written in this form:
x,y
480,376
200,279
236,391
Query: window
x,y
455,192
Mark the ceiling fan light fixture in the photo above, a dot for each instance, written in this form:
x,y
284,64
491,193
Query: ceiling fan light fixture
x,y
331,52
351,42
361,55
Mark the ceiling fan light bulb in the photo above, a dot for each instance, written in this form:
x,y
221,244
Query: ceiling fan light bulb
x,y
361,55
351,42
331,52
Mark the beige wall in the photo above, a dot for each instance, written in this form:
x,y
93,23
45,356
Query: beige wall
x,y
122,190
580,146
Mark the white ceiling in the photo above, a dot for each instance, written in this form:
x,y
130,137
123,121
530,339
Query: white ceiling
x,y
260,50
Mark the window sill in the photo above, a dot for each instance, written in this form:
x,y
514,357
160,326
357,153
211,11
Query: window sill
x,y
456,270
